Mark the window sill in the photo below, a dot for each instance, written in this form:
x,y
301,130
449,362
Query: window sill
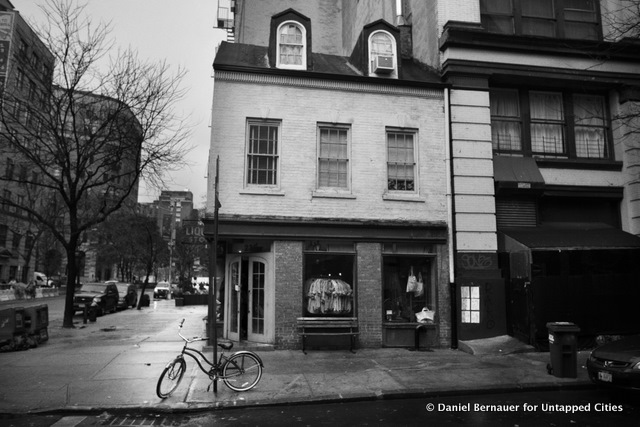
x,y
262,192
404,325
332,195
591,164
396,197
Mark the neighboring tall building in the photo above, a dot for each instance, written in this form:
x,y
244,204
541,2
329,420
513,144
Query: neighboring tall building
x,y
173,208
515,106
174,213
544,176
26,68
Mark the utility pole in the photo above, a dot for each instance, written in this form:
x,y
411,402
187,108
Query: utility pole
x,y
213,274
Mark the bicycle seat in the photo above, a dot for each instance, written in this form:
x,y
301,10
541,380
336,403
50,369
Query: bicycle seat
x,y
225,345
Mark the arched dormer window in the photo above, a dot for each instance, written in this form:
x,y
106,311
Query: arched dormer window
x,y
383,57
291,46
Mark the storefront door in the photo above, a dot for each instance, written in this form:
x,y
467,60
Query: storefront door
x,y
249,293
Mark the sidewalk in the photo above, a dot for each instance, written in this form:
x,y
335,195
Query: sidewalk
x,y
114,364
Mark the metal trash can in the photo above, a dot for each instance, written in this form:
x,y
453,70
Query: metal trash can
x,y
145,301
12,328
563,349
37,321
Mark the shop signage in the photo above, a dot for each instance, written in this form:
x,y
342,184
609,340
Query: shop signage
x,y
194,234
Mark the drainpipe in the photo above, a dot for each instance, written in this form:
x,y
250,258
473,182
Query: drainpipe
x,y
451,204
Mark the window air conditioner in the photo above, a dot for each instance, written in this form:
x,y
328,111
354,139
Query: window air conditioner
x,y
383,64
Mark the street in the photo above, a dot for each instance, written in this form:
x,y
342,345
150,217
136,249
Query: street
x,y
591,407
55,304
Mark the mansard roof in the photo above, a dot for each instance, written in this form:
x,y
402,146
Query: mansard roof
x,y
252,58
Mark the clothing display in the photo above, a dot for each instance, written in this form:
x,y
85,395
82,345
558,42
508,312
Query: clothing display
x,y
328,296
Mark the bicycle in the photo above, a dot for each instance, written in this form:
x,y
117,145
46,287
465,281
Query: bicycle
x,y
240,372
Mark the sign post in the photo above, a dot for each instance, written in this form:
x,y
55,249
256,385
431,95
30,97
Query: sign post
x,y
213,274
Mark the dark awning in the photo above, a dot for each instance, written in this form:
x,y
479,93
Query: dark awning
x,y
573,236
4,252
517,173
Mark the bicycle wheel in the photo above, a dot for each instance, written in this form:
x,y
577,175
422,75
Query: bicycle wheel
x,y
171,377
242,372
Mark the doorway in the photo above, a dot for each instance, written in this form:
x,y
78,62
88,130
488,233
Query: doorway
x,y
248,298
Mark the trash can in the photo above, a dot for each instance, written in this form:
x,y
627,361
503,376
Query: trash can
x,y
12,328
145,301
563,349
37,321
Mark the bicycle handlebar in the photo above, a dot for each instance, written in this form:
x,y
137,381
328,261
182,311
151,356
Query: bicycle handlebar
x,y
189,340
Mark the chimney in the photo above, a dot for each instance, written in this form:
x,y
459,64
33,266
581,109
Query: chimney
x,y
406,39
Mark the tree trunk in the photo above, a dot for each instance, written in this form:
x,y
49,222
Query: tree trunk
x,y
72,273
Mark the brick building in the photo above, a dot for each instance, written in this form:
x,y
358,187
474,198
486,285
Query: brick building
x,y
332,178
26,69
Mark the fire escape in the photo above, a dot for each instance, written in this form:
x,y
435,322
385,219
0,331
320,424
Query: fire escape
x,y
226,14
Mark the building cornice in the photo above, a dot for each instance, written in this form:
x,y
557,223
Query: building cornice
x,y
342,84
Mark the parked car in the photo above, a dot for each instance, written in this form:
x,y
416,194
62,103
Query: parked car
x,y
127,295
616,363
41,280
162,290
103,295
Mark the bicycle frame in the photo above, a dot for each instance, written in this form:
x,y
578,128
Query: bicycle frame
x,y
225,368
214,369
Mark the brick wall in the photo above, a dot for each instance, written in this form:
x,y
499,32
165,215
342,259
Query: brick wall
x,y
369,293
288,300
367,114
253,22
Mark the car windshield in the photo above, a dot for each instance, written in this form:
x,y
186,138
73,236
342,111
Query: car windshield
x,y
122,288
93,287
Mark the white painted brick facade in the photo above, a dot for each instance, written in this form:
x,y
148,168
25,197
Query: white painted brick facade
x,y
367,114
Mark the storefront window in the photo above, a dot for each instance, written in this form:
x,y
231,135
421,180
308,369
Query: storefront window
x,y
409,291
329,286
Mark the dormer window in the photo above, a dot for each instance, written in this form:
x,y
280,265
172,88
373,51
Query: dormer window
x,y
382,54
291,46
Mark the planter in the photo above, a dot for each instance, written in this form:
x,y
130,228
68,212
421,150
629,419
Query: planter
x,y
195,299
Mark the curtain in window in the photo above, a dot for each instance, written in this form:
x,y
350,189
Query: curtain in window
x,y
538,18
590,130
547,123
381,44
291,45
497,16
506,130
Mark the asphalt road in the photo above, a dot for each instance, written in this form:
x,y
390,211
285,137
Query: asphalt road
x,y
55,304
592,407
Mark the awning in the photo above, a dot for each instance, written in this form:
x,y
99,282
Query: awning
x,y
572,236
5,253
520,173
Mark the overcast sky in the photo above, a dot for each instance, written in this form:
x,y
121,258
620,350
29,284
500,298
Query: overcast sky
x,y
182,32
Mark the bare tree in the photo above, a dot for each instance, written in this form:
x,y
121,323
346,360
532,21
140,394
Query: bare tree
x,y
93,133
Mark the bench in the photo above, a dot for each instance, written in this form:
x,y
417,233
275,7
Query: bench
x,y
328,326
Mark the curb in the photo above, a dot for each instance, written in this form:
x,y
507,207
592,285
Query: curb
x,y
184,408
